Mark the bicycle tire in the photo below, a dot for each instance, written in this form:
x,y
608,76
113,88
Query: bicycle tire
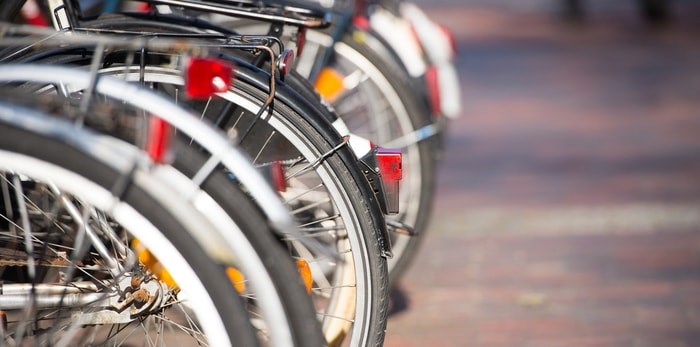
x,y
373,333
356,208
64,160
419,182
302,115
282,273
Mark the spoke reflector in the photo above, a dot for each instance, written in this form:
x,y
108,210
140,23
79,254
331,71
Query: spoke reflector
x,y
237,278
305,273
278,176
158,139
152,264
329,84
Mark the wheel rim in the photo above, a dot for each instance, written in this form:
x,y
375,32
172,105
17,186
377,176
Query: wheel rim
x,y
92,198
351,303
389,123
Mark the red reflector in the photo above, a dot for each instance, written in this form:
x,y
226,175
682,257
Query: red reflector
x,y
450,38
158,139
278,176
205,77
361,22
433,85
285,64
301,40
416,38
144,7
389,161
32,14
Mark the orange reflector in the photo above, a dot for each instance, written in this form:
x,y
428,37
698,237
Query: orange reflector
x,y
237,278
329,83
305,273
152,264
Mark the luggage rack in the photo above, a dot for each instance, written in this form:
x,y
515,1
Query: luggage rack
x,y
25,38
285,13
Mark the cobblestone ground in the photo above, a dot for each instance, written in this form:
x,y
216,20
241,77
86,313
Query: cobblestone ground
x,y
568,208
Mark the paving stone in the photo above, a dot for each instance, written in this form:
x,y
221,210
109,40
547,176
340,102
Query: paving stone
x,y
568,209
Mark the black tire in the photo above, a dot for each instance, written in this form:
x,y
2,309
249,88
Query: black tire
x,y
347,178
360,210
364,208
418,212
298,308
283,273
68,152
428,150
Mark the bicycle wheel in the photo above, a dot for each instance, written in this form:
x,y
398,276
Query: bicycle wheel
x,y
375,102
87,276
285,276
273,275
352,293
326,201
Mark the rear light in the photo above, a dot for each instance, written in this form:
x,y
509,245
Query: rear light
x,y
205,77
301,40
158,141
389,163
383,171
389,160
285,63
432,82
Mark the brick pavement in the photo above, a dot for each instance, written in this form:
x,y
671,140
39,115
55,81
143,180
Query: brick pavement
x,y
568,211
570,290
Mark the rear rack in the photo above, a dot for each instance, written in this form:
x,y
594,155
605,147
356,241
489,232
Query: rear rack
x,y
286,14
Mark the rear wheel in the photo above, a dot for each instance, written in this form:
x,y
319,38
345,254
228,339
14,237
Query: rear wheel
x,y
278,305
330,205
87,277
350,292
375,102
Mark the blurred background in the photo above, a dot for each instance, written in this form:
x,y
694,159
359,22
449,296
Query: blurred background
x,y
568,204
